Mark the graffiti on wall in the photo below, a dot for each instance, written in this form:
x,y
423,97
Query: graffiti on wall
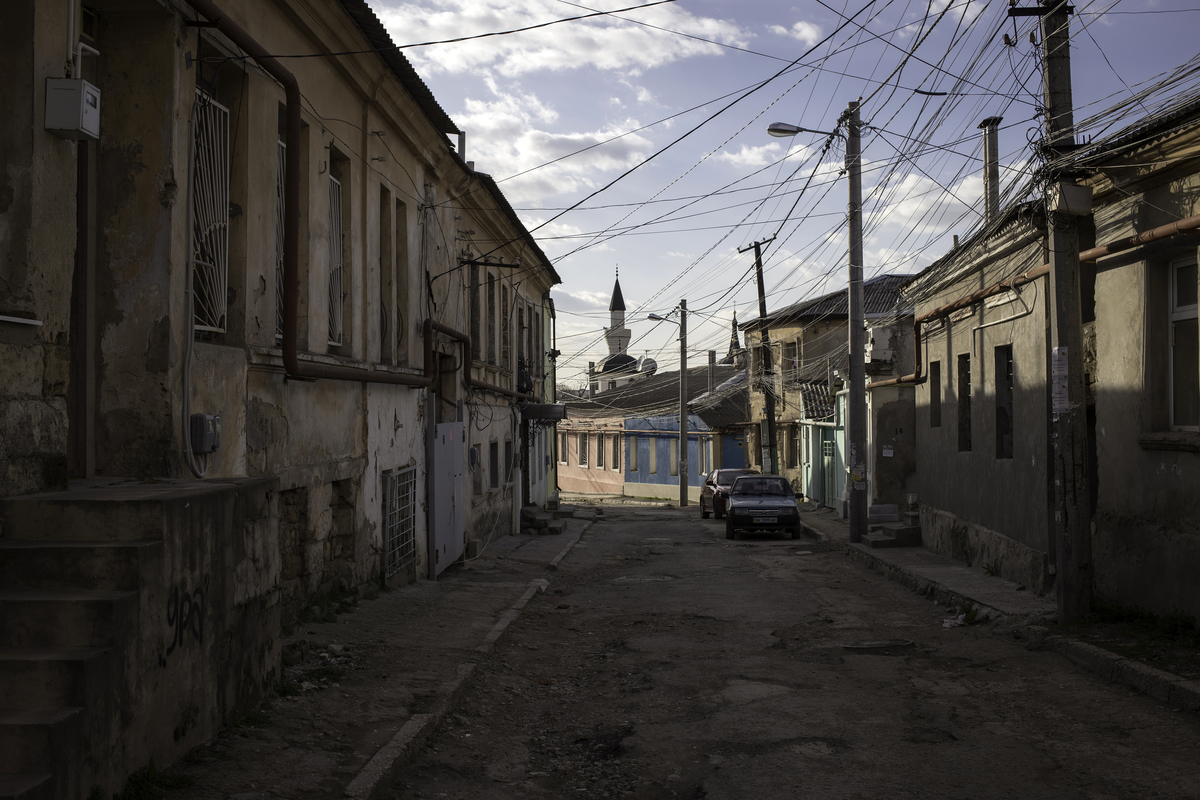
x,y
185,617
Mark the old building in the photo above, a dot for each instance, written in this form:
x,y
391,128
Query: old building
x,y
279,275
985,436
809,362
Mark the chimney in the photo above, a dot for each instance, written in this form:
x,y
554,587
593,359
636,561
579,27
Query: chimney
x,y
991,170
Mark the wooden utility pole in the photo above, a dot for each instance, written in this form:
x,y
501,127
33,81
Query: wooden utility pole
x,y
1072,491
770,456
856,400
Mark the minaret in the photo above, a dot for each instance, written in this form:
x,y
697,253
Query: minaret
x,y
735,347
617,334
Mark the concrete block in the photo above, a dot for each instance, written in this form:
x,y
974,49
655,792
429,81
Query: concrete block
x,y
32,677
65,618
883,513
39,739
584,513
101,566
555,527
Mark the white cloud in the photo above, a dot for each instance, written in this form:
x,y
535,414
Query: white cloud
x,y
749,156
805,32
609,43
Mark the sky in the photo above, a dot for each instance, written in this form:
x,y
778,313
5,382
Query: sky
x,y
635,141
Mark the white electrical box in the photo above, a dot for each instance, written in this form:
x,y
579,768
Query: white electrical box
x,y
72,108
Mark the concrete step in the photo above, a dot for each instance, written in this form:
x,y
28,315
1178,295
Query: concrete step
x,y
97,566
893,534
108,511
554,528
33,677
65,617
38,786
883,512
32,740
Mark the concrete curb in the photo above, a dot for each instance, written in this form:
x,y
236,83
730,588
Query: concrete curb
x,y
1171,690
376,778
553,565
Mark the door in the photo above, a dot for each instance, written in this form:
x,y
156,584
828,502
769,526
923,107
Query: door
x,y
447,518
828,484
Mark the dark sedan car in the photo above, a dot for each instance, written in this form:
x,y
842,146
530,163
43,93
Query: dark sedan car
x,y
762,503
715,493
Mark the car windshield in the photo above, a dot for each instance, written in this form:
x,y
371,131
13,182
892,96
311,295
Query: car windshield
x,y
761,486
725,478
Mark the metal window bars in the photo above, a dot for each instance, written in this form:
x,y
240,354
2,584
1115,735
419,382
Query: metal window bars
x,y
281,152
399,515
335,261
210,213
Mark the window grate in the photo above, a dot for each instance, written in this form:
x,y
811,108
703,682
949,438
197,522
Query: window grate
x,y
399,514
210,214
335,261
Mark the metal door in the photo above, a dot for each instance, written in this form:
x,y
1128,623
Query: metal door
x,y
447,519
828,485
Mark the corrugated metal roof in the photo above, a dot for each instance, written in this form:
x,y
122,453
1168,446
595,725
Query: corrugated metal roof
x,y
503,204
649,396
880,295
815,396
378,37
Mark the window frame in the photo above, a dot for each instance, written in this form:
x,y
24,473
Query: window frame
x,y
1177,313
963,376
584,447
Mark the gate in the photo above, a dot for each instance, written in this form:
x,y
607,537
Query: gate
x,y
828,484
447,518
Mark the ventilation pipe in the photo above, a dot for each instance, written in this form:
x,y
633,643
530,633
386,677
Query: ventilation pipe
x,y
991,170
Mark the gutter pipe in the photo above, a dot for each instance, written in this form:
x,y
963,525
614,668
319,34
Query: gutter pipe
x,y
291,240
1162,232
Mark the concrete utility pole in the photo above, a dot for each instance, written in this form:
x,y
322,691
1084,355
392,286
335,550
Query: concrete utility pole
x,y
1072,492
770,458
683,409
856,418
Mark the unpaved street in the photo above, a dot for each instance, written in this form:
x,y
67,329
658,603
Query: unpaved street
x,y
665,661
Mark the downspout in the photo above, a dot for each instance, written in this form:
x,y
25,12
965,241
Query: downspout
x,y
291,238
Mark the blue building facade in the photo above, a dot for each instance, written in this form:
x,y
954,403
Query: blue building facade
x,y
651,456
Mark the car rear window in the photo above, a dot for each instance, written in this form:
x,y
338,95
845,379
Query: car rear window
x,y
762,486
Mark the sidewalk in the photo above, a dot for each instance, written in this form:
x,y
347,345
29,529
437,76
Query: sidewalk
x,y
991,598
360,695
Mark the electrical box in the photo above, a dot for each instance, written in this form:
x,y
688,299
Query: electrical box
x,y
72,108
1069,199
206,433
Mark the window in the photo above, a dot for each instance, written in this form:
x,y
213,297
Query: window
x,y
790,362
583,449
402,318
386,275
964,402
491,318
399,520
494,465
339,213
616,452
562,448
935,394
505,330
477,469
473,303
1004,401
280,168
1185,348
210,214
653,459
633,453
674,456
600,445
508,461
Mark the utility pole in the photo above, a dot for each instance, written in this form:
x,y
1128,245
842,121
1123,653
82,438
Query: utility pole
x,y
770,458
856,418
1072,492
683,409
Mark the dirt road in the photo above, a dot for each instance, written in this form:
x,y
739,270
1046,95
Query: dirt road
x,y
665,661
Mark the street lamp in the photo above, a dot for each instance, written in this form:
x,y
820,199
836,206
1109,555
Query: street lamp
x,y
683,391
856,422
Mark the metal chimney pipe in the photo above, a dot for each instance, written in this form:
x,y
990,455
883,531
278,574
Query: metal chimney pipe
x,y
991,170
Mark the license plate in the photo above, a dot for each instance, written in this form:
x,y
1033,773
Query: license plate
x,y
764,520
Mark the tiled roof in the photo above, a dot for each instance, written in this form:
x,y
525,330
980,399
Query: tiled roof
x,y
650,396
880,295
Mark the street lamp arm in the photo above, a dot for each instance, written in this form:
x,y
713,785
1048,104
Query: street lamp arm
x,y
785,129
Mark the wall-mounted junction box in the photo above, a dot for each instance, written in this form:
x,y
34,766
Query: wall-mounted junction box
x,y
72,108
206,433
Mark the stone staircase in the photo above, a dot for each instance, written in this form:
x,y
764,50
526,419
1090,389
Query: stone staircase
x,y
68,607
887,526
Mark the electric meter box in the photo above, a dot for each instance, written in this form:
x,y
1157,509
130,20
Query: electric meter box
x,y
72,108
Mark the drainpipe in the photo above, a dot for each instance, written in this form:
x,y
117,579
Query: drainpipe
x,y
291,239
991,170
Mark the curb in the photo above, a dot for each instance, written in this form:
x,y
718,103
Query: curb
x,y
553,565
1179,693
376,778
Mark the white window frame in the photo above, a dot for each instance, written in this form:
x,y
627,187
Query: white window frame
x,y
1178,313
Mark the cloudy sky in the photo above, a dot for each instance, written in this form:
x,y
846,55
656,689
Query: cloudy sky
x,y
669,103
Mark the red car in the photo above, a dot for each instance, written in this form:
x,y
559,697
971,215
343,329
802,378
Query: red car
x,y
714,497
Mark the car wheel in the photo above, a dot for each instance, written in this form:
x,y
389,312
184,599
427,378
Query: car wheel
x,y
718,514
796,531
703,513
729,534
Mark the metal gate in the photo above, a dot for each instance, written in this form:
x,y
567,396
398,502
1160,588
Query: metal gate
x,y
399,520
447,518
210,212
